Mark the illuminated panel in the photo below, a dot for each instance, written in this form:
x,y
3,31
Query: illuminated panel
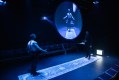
x,y
99,52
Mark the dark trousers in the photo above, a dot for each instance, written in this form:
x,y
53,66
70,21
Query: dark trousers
x,y
34,62
88,52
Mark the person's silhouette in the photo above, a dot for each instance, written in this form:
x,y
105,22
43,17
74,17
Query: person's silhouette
x,y
69,20
34,49
88,44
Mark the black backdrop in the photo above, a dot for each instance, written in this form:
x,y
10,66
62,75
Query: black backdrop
x,y
19,18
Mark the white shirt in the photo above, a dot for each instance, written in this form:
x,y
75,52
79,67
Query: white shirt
x,y
33,46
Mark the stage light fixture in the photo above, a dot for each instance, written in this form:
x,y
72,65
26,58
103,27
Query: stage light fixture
x,y
99,52
96,2
2,3
44,18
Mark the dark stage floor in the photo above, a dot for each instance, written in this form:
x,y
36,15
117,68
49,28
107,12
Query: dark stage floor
x,y
11,70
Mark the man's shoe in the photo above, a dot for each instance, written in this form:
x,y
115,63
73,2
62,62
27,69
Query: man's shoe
x,y
35,73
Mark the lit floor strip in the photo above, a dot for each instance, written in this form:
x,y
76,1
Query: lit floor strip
x,y
70,34
54,71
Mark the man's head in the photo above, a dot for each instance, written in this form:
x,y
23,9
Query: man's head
x,y
32,36
69,10
87,32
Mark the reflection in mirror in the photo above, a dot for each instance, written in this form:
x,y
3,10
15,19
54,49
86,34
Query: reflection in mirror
x,y
68,20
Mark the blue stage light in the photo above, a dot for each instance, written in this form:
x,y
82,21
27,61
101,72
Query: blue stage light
x,y
96,2
2,3
44,18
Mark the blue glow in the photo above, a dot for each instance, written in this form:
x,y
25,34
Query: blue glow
x,y
74,7
99,52
44,18
70,34
68,20
95,2
99,62
54,71
2,3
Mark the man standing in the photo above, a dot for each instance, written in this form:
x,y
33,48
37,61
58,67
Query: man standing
x,y
34,49
88,44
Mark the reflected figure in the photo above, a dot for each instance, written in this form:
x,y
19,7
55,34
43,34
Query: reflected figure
x,y
70,32
69,20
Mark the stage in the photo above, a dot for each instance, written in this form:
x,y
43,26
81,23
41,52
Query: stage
x,y
70,66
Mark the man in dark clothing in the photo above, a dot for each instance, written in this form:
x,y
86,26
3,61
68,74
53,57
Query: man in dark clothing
x,y
34,49
88,44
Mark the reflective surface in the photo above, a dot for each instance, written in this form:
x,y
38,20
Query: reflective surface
x,y
68,20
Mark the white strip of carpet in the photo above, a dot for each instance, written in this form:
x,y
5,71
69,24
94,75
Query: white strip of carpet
x,y
54,71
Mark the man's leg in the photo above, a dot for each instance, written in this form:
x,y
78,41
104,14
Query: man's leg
x,y
34,65
86,48
89,53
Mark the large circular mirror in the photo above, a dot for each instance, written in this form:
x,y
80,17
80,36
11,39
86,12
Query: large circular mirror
x,y
68,20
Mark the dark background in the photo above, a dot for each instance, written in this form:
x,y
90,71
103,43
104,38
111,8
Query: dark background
x,y
19,18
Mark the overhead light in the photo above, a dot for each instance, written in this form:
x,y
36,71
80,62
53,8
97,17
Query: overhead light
x,y
95,2
2,3
44,18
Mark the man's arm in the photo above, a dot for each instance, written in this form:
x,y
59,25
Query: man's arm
x,y
39,48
